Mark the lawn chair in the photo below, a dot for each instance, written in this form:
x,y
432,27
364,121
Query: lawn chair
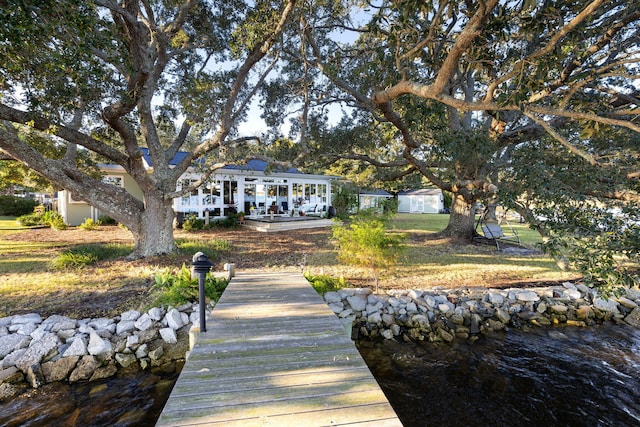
x,y
494,231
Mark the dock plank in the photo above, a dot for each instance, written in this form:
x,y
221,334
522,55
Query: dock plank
x,y
274,354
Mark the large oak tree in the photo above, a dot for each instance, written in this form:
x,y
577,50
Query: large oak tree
x,y
109,77
450,89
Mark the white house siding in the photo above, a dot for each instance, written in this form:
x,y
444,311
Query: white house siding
x,y
235,189
421,201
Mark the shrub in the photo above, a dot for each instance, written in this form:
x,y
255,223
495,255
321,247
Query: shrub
x,y
90,224
366,243
178,287
192,223
16,206
30,220
324,283
54,220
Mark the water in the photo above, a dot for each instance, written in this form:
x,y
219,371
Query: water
x,y
120,401
551,377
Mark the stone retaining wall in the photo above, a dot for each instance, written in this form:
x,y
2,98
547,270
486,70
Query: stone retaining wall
x,y
443,315
35,351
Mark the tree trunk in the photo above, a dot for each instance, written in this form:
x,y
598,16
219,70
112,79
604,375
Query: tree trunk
x,y
461,220
154,233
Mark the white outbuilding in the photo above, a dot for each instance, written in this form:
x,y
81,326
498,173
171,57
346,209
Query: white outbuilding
x,y
425,200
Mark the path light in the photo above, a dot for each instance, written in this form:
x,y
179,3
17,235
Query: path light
x,y
200,266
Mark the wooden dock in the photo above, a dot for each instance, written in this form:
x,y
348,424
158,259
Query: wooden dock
x,y
274,354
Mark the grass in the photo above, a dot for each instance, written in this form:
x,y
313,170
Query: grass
x,y
30,283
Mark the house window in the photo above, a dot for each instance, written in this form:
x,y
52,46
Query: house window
x,y
189,199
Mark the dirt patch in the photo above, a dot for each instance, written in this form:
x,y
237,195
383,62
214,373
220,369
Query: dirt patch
x,y
251,251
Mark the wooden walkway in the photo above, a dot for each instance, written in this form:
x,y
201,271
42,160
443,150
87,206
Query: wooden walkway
x,y
274,354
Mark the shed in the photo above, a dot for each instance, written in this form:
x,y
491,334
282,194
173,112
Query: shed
x,y
425,200
368,199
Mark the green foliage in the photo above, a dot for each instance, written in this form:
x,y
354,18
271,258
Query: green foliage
x,y
192,223
178,287
210,248
107,220
30,220
84,255
89,224
365,242
344,199
54,220
324,283
16,206
601,244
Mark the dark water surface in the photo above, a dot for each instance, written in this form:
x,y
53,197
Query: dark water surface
x,y
545,377
125,401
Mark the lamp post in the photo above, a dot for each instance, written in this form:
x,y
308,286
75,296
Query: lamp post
x,y
200,266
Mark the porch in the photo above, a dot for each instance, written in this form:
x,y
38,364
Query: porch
x,y
269,224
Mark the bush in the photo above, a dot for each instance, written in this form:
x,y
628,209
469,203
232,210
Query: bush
x,y
192,223
30,220
366,243
54,220
90,224
178,287
16,206
324,283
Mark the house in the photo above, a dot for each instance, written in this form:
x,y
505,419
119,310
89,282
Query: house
x,y
426,200
233,188
372,198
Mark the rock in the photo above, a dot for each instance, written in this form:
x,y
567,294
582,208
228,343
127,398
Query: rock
x,y
626,302
156,354
104,372
142,351
155,313
374,318
132,340
126,359
11,342
102,324
130,315
584,312
10,359
503,316
26,318
527,296
542,307
174,319
84,369
10,375
37,351
77,348
26,329
446,336
336,307
495,299
144,322
168,335
443,307
387,334
330,297
610,305
411,307
125,326
572,294
633,318
97,345
559,308
58,370
8,391
345,313
357,303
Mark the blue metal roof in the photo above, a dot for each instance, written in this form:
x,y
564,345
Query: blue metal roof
x,y
251,165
